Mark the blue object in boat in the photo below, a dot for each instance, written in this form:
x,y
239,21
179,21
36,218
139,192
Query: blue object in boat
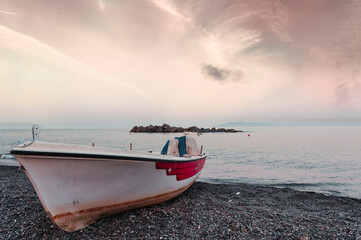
x,y
165,148
182,146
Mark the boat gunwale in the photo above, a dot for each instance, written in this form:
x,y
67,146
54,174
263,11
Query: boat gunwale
x,y
101,157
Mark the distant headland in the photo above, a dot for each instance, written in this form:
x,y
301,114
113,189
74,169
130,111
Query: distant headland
x,y
166,128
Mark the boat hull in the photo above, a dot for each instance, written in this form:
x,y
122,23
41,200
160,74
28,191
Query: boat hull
x,y
76,190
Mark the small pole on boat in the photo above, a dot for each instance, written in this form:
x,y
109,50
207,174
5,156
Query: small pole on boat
x,y
201,149
36,132
131,146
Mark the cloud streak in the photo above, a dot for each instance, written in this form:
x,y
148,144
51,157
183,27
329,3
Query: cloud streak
x,y
170,9
5,12
33,49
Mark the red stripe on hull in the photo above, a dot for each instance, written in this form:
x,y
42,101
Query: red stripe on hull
x,y
177,165
182,170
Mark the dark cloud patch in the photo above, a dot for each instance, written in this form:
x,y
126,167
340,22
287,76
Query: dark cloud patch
x,y
220,74
215,73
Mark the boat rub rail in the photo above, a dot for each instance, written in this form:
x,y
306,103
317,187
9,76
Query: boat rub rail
x,y
86,156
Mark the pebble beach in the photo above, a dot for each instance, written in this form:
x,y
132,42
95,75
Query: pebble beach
x,y
205,211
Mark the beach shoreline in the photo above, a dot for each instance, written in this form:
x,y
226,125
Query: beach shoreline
x,y
205,211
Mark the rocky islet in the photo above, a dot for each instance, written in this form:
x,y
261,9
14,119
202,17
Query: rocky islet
x,y
166,128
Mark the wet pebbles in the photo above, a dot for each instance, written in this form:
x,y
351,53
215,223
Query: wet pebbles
x,y
205,211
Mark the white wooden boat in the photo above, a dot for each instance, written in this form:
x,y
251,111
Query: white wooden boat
x,y
79,184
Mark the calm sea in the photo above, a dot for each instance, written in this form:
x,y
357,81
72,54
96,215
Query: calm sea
x,y
320,159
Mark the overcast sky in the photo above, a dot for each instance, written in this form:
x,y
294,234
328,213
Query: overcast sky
x,y
107,62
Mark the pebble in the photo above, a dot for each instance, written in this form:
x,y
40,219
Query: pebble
x,y
205,211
